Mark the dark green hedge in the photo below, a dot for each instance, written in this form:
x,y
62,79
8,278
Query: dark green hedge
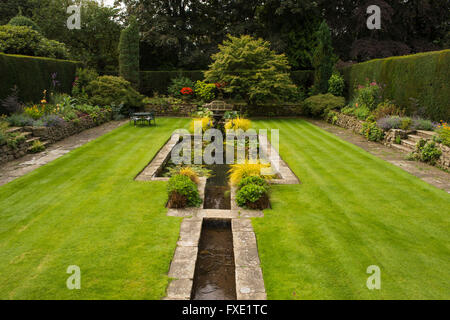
x,y
423,76
32,75
159,81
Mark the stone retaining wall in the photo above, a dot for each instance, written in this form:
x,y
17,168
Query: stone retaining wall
x,y
54,134
176,110
349,122
444,160
50,135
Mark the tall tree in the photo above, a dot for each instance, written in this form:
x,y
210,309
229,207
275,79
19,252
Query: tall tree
x,y
323,59
129,53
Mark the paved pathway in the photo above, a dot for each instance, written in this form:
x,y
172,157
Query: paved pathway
x,y
427,173
19,167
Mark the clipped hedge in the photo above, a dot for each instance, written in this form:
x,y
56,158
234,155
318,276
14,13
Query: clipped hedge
x,y
159,81
32,75
422,76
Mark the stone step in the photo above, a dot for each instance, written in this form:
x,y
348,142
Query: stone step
x,y
26,134
409,144
13,130
414,137
46,143
426,134
401,147
31,140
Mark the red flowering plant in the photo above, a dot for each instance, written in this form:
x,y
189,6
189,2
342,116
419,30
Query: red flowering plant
x,y
187,91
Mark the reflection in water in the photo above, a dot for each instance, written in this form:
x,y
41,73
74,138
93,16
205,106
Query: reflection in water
x,y
214,273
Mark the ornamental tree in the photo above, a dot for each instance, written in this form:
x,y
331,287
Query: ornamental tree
x,y
323,59
250,69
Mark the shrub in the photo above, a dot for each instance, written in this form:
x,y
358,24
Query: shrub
x,y
37,146
182,192
106,90
423,124
368,95
14,139
362,113
51,49
178,84
53,121
255,180
336,85
129,53
444,133
388,123
82,79
371,131
244,170
405,123
321,104
19,120
205,91
387,108
34,112
253,197
427,151
21,21
238,123
249,68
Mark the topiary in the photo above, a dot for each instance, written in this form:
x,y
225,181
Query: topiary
x,y
21,21
106,90
253,197
321,104
182,192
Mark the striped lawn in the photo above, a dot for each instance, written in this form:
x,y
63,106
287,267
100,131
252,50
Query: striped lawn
x,y
351,211
85,209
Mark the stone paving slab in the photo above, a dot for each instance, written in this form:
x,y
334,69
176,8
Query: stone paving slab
x,y
249,280
246,257
179,289
241,225
182,269
243,240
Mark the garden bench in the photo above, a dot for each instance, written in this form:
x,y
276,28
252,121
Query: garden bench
x,y
146,117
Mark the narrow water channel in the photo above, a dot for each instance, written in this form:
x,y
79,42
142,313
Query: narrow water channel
x,y
217,190
214,277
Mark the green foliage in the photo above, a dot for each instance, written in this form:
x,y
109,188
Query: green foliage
x,y
159,81
37,146
336,85
371,131
21,21
421,76
249,68
323,59
302,78
129,53
444,134
26,41
179,83
205,91
13,140
107,90
427,152
182,192
387,108
250,195
32,75
406,123
321,104
255,180
368,95
82,78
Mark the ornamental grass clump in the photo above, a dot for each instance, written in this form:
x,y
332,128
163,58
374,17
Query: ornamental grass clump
x,y
238,123
206,124
241,171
